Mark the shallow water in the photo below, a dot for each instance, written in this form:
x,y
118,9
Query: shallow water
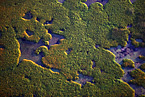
x,y
83,79
28,15
129,52
138,90
89,2
28,48
139,40
2,47
55,38
94,64
28,51
29,32
61,1
48,21
68,51
132,1
55,70
0,34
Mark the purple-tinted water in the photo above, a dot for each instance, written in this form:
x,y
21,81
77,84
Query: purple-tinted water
x,y
138,90
97,46
132,1
38,19
28,15
94,64
68,51
61,1
28,51
89,2
28,48
55,38
29,32
2,47
55,70
129,52
48,21
130,25
139,40
83,79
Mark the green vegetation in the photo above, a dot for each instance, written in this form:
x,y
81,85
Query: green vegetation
x,y
142,66
138,26
83,28
120,12
139,77
142,57
137,44
120,35
128,63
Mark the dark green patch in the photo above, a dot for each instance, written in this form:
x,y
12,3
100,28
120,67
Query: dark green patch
x,y
128,63
139,77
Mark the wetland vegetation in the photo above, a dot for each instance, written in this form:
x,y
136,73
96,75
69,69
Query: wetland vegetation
x,y
61,48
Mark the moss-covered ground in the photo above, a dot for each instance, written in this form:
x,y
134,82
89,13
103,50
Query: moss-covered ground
x,y
83,28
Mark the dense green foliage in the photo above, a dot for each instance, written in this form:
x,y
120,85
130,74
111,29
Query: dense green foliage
x,y
120,12
138,26
128,63
139,77
83,28
142,66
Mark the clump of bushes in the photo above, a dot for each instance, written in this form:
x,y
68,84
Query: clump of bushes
x,y
137,44
128,63
120,35
139,77
142,57
142,66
